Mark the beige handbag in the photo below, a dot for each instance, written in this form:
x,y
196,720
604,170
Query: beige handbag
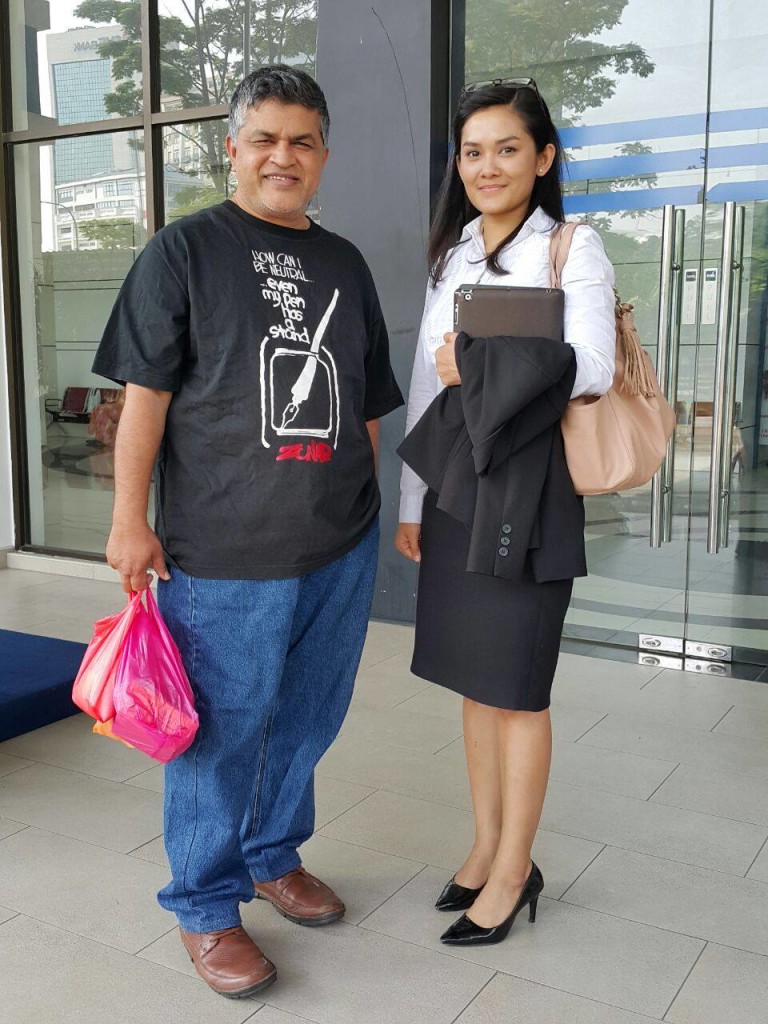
x,y
619,440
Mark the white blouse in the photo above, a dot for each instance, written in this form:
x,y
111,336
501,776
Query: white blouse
x,y
590,326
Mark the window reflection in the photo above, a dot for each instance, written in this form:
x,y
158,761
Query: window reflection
x,y
209,45
79,231
197,170
80,61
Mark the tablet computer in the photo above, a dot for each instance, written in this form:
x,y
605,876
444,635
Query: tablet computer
x,y
488,311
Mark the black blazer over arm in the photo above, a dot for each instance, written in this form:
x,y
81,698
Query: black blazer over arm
x,y
492,450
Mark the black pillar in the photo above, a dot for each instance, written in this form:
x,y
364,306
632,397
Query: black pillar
x,y
384,69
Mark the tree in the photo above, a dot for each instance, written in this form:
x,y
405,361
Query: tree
x,y
115,233
552,41
556,43
202,56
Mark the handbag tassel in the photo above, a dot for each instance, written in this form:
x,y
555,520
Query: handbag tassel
x,y
637,380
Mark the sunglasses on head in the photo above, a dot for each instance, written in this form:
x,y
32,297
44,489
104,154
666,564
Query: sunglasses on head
x,y
515,83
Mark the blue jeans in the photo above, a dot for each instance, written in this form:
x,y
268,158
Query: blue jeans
x,y
272,664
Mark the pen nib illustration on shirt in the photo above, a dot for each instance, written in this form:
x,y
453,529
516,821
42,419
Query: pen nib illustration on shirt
x,y
299,379
301,389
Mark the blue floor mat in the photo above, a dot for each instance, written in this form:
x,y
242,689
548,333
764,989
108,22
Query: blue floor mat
x,y
36,676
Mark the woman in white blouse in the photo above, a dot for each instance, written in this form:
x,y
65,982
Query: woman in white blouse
x,y
499,204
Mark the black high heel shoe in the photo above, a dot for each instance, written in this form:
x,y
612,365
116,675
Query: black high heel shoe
x,y
465,932
457,897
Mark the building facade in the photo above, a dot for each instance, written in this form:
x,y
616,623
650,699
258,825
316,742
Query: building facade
x,y
110,131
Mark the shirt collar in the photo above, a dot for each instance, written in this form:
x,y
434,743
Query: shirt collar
x,y
538,223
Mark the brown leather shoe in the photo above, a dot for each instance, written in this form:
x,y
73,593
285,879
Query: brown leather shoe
x,y
229,961
302,898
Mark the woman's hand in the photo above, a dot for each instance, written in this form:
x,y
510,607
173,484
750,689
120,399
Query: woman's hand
x,y
445,361
407,540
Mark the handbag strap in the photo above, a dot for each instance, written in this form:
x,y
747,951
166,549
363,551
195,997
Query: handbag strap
x,y
559,247
633,367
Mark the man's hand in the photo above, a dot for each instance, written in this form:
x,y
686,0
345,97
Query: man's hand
x,y
445,361
407,540
131,550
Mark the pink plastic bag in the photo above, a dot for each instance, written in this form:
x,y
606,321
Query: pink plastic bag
x,y
92,690
154,705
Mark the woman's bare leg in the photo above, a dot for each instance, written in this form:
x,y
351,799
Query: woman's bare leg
x,y
525,752
481,746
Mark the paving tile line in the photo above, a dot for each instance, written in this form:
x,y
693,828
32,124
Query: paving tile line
x,y
151,943
142,845
669,931
89,938
644,924
475,997
75,839
757,856
695,765
685,981
399,792
586,868
594,726
427,687
663,781
75,771
357,803
699,734
730,709
22,825
377,664
671,860
14,758
720,817
454,740
392,895
271,1006
384,853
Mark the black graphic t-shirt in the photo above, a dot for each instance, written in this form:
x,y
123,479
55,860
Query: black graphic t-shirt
x,y
274,345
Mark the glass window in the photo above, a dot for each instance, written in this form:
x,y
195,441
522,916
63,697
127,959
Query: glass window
x,y
109,188
126,188
72,265
64,59
203,58
197,170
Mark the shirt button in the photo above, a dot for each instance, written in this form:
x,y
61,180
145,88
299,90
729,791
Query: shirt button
x,y
505,542
506,528
503,552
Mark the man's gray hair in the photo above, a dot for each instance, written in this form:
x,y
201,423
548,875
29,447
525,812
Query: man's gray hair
x,y
282,83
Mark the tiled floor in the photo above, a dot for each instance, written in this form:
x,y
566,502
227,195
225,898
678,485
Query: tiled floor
x,y
653,847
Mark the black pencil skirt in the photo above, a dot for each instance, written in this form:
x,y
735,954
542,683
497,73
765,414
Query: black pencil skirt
x,y
495,641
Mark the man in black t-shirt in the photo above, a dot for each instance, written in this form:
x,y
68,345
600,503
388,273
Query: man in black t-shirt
x,y
256,364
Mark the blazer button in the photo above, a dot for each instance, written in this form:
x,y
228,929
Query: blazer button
x,y
503,552
505,541
506,528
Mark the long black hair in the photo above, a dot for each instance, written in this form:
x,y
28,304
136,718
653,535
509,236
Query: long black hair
x,y
454,210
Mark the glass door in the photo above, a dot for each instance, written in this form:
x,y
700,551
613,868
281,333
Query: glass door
x,y
666,138
727,594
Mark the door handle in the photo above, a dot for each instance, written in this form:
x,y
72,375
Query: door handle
x,y
725,377
667,352
670,391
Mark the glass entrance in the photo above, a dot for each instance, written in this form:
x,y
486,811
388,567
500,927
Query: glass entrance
x,y
663,110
